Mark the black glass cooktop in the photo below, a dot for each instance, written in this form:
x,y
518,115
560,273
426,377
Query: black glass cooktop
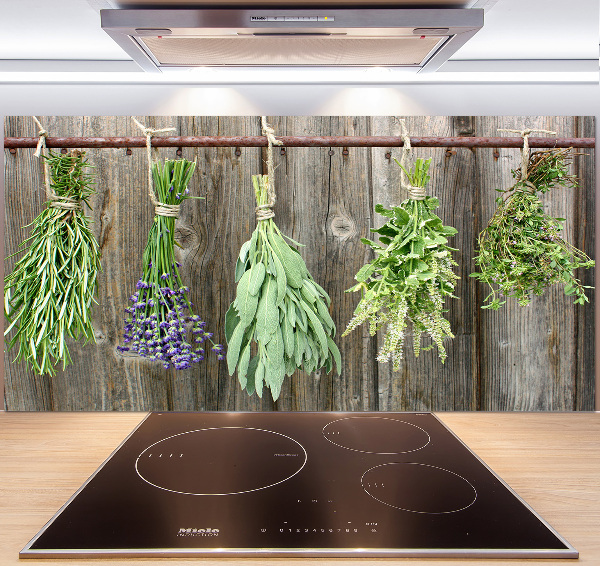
x,y
295,484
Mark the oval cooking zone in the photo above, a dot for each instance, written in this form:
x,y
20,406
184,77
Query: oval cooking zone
x,y
419,488
221,461
376,435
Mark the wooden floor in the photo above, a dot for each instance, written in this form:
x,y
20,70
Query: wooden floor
x,y
551,460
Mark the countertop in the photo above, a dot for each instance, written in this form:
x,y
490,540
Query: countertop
x,y
552,460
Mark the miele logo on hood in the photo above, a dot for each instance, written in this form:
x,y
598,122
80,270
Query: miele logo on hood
x,y
193,532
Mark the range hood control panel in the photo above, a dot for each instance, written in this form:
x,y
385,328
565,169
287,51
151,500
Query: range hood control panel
x,y
292,18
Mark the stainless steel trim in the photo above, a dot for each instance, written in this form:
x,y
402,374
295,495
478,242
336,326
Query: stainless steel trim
x,y
303,552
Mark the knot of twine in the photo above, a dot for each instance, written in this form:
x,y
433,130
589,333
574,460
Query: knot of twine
x,y
265,211
415,193
160,208
54,201
525,151
64,203
43,134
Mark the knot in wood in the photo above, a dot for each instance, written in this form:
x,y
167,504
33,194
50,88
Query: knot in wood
x,y
342,227
186,236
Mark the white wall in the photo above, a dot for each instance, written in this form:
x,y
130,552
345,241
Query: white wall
x,y
416,99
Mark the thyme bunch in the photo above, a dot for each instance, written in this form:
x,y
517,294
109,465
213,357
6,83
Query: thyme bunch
x,y
521,250
410,276
49,294
161,325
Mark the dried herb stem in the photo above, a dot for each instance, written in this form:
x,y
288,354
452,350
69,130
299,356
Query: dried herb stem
x,y
521,251
49,294
410,276
280,320
160,317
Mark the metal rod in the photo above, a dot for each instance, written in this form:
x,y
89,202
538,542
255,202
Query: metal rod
x,y
299,141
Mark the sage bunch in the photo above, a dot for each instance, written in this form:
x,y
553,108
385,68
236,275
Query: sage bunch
x,y
49,294
521,250
279,320
409,278
160,323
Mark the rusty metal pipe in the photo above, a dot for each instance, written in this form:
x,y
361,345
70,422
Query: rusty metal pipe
x,y
298,141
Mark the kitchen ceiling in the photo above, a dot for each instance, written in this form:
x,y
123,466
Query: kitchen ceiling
x,y
533,35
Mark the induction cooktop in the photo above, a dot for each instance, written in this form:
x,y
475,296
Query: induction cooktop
x,y
295,484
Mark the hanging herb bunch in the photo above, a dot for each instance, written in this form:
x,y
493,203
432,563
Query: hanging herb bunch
x,y
521,250
49,294
161,325
411,275
279,320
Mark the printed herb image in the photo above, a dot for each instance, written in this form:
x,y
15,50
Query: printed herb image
x,y
411,275
279,320
521,252
49,294
161,325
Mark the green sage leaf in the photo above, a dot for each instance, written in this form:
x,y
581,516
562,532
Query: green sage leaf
x,y
250,375
243,364
267,313
293,264
281,279
335,353
233,349
257,276
231,321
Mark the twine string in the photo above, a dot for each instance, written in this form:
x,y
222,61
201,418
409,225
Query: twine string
x,y
43,134
160,208
265,211
525,150
54,201
415,193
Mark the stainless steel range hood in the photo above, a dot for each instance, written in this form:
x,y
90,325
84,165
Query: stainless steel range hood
x,y
415,39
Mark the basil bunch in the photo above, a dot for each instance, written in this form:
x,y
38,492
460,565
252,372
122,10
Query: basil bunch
x,y
521,250
280,319
50,292
410,276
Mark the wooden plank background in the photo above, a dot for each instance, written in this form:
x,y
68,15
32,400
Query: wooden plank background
x,y
535,358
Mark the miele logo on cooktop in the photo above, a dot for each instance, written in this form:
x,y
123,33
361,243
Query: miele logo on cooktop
x,y
286,454
193,532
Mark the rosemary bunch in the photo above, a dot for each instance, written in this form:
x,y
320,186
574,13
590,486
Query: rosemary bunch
x,y
279,320
410,276
521,250
49,294
160,317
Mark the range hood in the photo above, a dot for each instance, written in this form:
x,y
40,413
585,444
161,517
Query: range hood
x,y
415,39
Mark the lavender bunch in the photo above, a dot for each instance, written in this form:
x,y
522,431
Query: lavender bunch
x,y
161,325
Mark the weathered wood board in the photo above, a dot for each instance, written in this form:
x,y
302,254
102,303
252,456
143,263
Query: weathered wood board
x,y
539,357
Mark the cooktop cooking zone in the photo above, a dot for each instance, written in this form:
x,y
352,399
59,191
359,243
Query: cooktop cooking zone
x,y
295,484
